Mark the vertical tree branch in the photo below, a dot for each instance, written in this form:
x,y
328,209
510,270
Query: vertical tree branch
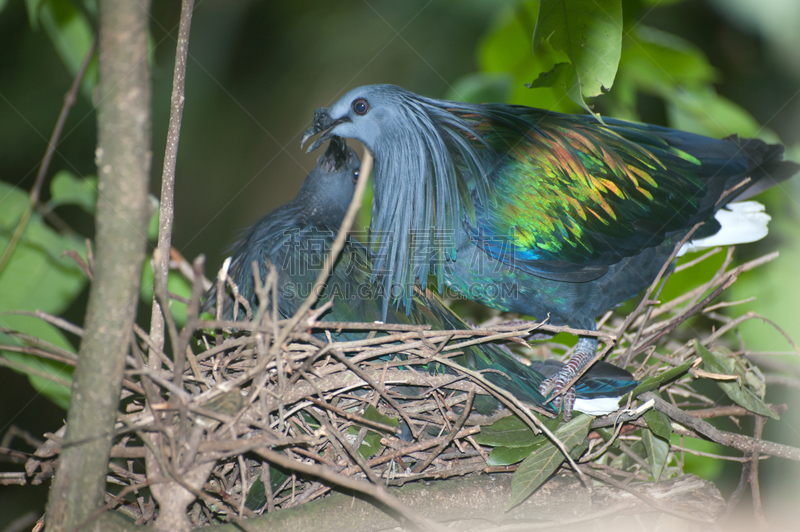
x,y
167,210
123,157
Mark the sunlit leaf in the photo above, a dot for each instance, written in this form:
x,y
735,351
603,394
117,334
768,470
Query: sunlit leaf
x,y
589,32
505,49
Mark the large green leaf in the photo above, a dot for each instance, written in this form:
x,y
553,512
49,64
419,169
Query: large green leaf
x,y
505,49
543,462
739,393
589,32
37,277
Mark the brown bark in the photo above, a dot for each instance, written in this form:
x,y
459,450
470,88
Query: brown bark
x,y
123,157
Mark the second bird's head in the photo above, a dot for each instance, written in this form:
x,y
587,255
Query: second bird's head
x,y
329,187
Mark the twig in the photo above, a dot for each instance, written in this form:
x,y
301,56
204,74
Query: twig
x,y
69,101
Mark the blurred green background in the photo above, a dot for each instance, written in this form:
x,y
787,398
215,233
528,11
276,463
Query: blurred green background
x,y
257,71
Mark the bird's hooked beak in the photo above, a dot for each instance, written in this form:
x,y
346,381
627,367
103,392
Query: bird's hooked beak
x,y
323,123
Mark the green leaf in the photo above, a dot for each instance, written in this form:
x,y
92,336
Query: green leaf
x,y
71,34
543,462
177,284
654,382
505,49
657,452
705,112
590,33
482,87
256,495
373,414
69,189
510,432
659,423
739,394
32,7
503,456
38,276
371,443
660,3
663,64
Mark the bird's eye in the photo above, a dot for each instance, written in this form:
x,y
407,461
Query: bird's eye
x,y
361,106
355,177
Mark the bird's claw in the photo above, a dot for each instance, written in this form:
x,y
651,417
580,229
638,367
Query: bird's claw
x,y
561,403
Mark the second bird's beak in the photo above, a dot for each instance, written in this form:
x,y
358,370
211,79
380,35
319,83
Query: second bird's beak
x,y
323,123
336,154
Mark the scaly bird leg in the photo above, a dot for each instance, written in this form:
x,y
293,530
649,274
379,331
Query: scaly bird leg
x,y
584,351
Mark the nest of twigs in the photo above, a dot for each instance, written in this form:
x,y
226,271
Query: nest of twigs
x,y
257,416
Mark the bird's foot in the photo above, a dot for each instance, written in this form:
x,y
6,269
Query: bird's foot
x,y
561,403
584,352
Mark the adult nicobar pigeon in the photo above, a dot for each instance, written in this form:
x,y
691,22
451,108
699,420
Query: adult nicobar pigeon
x,y
542,213
296,238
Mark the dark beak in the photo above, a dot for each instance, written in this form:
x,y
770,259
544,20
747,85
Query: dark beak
x,y
336,154
323,123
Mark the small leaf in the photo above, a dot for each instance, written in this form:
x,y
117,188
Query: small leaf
x,y
504,456
257,495
657,452
373,414
69,189
510,432
738,393
558,75
535,469
590,33
654,382
371,443
659,423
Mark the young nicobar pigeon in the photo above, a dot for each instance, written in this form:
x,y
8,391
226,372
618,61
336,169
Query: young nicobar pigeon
x,y
296,239
542,213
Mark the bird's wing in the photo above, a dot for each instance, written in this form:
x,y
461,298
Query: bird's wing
x,y
572,196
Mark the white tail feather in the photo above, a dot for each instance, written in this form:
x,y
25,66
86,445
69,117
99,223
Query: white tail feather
x,y
741,222
599,406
